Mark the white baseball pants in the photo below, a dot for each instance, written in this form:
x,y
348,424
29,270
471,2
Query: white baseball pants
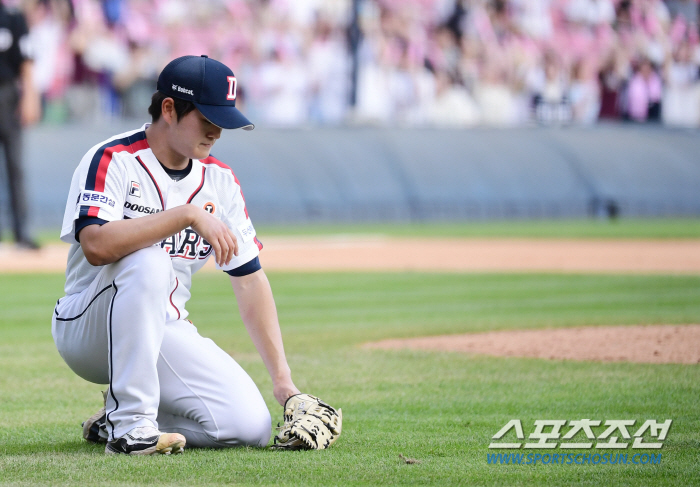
x,y
160,371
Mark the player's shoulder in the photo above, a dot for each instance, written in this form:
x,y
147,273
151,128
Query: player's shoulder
x,y
219,168
213,162
131,141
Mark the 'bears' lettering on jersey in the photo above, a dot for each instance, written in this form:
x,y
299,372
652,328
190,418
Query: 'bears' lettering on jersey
x,y
187,244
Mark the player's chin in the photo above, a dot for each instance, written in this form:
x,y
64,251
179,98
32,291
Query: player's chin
x,y
202,151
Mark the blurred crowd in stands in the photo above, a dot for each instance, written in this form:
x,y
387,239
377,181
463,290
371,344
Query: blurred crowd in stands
x,y
385,62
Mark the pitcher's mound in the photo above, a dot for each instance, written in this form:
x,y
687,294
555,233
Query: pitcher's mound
x,y
658,344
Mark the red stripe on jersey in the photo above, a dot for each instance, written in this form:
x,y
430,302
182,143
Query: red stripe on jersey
x,y
177,283
106,159
94,211
258,243
199,188
162,205
216,162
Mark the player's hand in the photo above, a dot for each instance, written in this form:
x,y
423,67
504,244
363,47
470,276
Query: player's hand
x,y
219,236
283,390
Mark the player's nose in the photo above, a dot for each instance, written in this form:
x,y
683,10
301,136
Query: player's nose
x,y
214,132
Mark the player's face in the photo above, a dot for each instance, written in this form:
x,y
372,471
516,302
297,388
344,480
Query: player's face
x,y
193,135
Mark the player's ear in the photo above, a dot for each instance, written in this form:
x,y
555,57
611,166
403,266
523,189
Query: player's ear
x,y
168,112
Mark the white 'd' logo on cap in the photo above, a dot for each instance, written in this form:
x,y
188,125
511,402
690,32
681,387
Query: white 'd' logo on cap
x,y
231,88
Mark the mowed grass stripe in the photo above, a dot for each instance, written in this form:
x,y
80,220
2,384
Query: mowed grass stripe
x,y
440,408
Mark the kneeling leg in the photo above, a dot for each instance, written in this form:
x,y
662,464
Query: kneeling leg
x,y
205,395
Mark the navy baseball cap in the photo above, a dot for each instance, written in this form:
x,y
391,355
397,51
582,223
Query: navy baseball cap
x,y
207,83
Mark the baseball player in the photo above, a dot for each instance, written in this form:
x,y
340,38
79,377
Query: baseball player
x,y
146,210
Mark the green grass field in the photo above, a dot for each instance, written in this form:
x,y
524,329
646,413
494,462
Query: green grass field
x,y
438,408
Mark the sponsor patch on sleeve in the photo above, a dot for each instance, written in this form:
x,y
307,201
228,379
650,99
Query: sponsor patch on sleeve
x,y
94,198
247,231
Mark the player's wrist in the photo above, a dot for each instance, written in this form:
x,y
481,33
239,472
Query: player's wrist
x,y
283,391
282,378
191,214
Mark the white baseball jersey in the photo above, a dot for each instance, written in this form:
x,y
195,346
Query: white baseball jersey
x,y
121,178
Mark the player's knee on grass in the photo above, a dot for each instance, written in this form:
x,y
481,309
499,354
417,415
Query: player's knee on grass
x,y
239,411
254,432
231,431
232,418
250,428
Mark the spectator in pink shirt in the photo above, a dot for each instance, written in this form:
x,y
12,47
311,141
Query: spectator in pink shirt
x,y
644,93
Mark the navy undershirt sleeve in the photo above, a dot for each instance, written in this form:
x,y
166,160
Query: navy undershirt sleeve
x,y
247,268
84,221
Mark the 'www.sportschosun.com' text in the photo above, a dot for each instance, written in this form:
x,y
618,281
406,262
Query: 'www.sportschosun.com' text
x,y
573,459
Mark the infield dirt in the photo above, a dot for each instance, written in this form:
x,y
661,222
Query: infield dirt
x,y
657,344
350,253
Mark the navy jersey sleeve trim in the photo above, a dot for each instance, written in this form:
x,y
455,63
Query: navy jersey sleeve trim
x,y
245,269
99,164
84,221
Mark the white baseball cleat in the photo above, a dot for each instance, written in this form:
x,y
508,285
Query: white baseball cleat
x,y
146,440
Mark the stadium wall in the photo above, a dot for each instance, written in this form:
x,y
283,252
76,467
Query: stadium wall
x,y
371,174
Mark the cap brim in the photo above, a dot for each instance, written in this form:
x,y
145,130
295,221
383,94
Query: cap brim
x,y
226,117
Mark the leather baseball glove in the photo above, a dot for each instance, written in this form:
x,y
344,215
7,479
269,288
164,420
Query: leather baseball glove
x,y
309,424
